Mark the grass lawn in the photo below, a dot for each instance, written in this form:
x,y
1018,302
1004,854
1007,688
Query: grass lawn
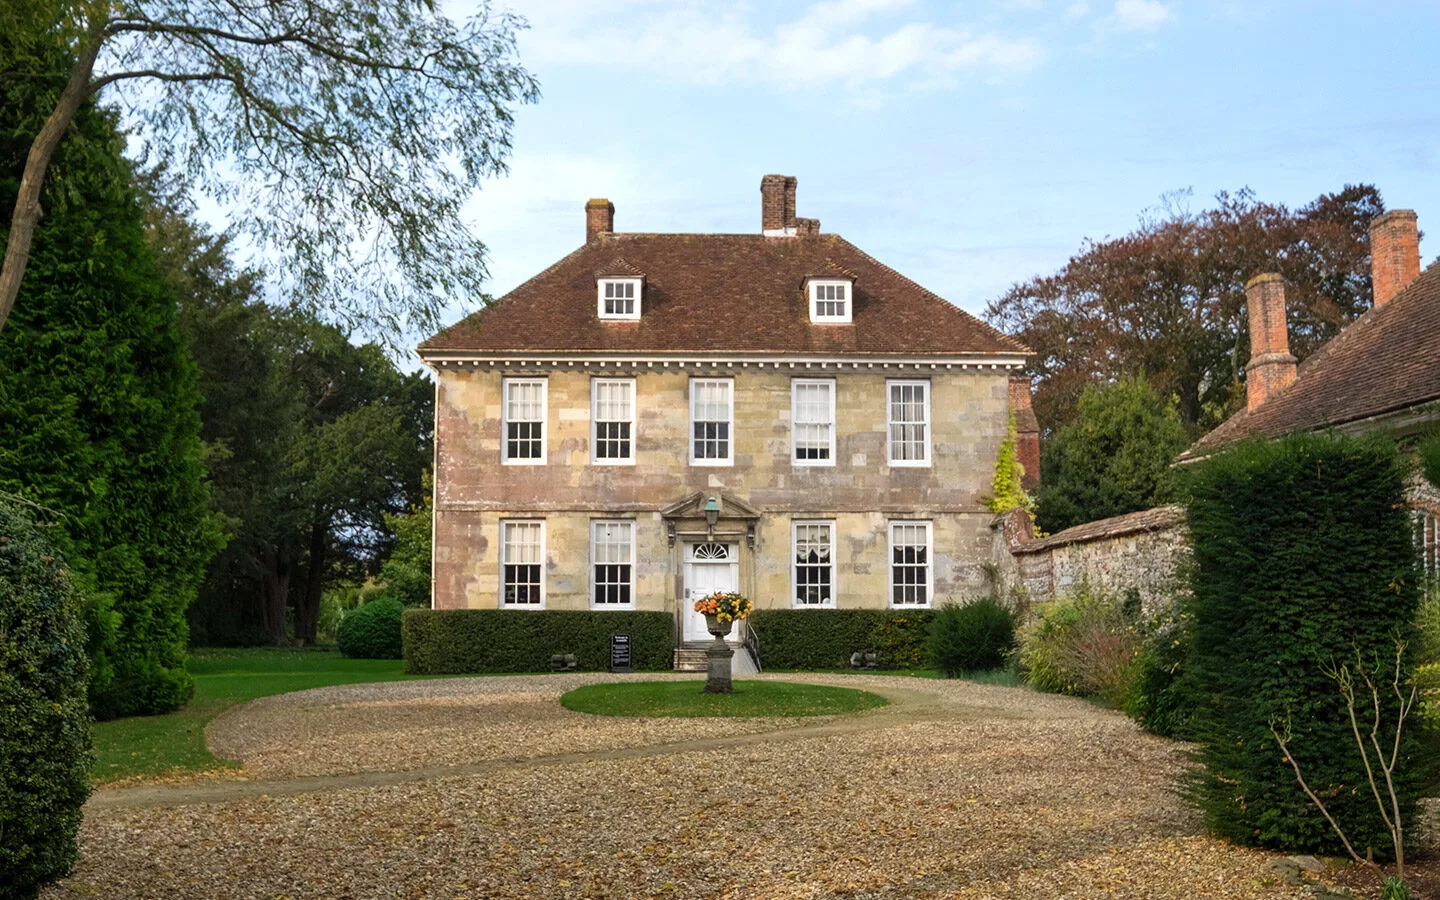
x,y
175,743
684,699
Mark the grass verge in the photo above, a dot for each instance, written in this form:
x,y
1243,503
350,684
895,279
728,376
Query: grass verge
x,y
157,746
684,699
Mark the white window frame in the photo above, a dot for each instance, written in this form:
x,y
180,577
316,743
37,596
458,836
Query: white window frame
x,y
728,460
505,422
594,526
1427,544
929,564
503,559
795,384
795,527
636,283
890,423
812,290
595,457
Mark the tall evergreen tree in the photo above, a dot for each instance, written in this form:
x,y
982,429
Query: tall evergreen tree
x,y
1114,458
98,417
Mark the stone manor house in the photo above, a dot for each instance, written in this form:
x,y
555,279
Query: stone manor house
x,y
659,416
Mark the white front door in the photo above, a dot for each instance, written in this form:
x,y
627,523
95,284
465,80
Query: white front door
x,y
709,567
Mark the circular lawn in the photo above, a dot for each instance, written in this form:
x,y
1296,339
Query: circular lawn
x,y
685,699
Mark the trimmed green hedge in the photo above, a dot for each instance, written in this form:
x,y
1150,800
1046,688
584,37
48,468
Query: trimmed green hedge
x,y
825,638
463,641
1303,561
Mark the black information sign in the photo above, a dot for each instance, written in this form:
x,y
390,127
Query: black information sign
x,y
620,653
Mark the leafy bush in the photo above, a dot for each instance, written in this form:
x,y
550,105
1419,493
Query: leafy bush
x,y
372,631
458,641
1428,450
1302,561
1157,699
975,637
825,638
406,573
1085,645
44,718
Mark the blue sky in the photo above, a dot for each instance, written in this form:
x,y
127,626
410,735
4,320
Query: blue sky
x,y
969,145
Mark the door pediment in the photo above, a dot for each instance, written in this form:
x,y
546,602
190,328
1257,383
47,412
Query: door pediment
x,y
693,507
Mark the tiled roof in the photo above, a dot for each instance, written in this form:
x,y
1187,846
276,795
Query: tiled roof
x,y
1386,360
619,268
1157,519
722,293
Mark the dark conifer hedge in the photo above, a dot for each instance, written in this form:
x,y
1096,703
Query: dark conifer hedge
x,y
44,720
1303,558
98,404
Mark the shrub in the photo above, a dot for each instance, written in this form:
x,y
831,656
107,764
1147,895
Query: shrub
x,y
825,638
1157,699
1302,561
44,718
372,631
1084,645
459,641
975,637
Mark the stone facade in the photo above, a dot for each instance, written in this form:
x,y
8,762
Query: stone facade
x,y
760,495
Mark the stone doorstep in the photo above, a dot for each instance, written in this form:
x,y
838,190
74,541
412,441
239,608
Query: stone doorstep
x,y
689,659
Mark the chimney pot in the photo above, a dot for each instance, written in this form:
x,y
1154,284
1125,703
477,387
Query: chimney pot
x,y
777,205
1272,367
1394,253
599,217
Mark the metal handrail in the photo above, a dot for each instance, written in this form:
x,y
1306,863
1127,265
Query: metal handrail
x,y
752,644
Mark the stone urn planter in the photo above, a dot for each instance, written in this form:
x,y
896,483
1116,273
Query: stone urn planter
x,y
718,657
721,611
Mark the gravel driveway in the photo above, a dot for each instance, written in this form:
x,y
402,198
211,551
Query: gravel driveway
x,y
482,788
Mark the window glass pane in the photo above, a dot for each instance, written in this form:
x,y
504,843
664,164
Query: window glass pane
x,y
710,427
814,568
524,419
908,424
910,564
522,563
613,555
813,427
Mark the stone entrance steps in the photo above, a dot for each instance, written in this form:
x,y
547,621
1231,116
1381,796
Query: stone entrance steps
x,y
690,657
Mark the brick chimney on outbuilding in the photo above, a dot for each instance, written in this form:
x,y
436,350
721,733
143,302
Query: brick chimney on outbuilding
x,y
1027,432
1271,367
599,217
1394,253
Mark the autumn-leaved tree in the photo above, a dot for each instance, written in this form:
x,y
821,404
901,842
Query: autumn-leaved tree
x,y
1167,301
343,136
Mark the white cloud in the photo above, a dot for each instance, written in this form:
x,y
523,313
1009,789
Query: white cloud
x,y
858,43
1140,15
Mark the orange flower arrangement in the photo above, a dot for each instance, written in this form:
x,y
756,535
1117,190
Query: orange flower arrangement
x,y
726,607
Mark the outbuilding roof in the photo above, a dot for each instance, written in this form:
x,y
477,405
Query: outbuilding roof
x,y
1385,361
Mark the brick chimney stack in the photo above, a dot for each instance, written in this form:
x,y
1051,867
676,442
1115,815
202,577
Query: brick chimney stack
x,y
1394,253
599,217
777,205
1027,432
1271,367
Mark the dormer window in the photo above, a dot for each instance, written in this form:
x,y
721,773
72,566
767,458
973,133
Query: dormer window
x,y
619,298
830,300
